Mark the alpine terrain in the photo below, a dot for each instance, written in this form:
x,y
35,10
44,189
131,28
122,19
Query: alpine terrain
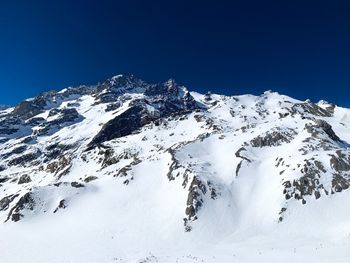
x,y
126,171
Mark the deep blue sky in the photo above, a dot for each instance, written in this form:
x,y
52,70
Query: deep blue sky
x,y
300,48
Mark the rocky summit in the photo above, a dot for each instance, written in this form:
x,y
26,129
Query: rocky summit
x,y
127,171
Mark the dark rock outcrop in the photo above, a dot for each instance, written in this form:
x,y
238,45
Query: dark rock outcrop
x,y
340,162
24,179
123,125
6,201
62,205
27,109
77,185
327,128
310,108
308,184
27,201
194,200
24,159
273,138
90,178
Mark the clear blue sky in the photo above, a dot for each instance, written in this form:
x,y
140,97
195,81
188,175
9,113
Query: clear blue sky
x,y
300,48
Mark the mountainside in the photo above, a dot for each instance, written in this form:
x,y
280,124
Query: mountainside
x,y
127,171
3,107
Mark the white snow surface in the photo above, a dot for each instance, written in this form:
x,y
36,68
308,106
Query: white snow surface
x,y
139,217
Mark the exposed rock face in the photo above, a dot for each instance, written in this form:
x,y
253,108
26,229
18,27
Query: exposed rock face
x,y
161,101
6,201
308,184
340,162
25,159
64,117
194,201
24,179
325,127
9,125
28,109
310,108
59,167
112,89
123,125
273,138
90,178
19,149
62,205
76,185
25,202
340,183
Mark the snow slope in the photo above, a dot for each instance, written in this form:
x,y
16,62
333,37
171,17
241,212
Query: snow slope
x,y
127,171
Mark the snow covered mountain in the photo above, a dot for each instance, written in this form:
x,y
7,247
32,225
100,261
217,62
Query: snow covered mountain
x,y
127,171
3,107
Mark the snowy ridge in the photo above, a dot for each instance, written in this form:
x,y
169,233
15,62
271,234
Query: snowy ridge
x,y
4,107
134,172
